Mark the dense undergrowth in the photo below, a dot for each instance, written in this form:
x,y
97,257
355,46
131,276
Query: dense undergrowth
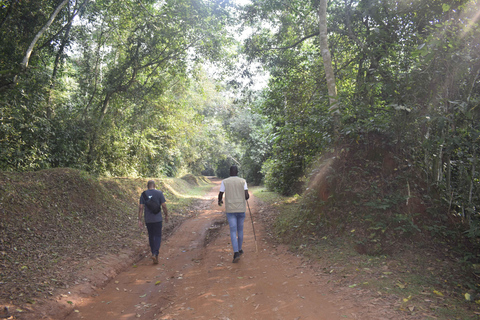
x,y
53,221
366,214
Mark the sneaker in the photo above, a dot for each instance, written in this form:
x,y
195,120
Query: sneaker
x,y
155,259
236,257
241,252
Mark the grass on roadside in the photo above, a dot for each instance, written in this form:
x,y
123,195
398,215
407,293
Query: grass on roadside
x,y
53,221
427,284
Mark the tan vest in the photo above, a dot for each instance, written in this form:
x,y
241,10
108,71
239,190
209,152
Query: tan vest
x,y
235,194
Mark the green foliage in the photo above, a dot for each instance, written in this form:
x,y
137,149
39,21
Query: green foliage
x,y
113,93
223,168
407,72
25,130
446,119
125,91
358,193
250,131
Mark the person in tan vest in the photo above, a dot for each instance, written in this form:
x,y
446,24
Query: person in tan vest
x,y
236,194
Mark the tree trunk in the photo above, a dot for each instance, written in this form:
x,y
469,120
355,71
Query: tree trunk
x,y
93,140
327,62
24,64
97,72
471,206
58,59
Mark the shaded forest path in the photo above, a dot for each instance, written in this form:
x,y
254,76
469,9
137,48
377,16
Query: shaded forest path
x,y
196,279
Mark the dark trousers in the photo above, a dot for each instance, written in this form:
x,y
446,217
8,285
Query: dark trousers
x,y
154,236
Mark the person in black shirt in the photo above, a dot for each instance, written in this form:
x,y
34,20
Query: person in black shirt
x,y
153,221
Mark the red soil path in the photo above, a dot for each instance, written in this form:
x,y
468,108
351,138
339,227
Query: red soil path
x,y
196,279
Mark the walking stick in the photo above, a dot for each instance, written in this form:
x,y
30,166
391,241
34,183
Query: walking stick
x,y
253,227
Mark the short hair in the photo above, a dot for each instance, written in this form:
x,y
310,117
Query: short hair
x,y
150,183
233,170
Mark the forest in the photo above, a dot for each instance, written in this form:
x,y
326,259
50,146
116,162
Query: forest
x,y
152,88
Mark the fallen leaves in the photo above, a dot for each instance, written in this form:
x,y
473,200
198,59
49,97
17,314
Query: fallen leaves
x,y
400,285
51,224
438,293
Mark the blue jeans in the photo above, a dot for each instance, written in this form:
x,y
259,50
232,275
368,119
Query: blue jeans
x,y
154,236
235,221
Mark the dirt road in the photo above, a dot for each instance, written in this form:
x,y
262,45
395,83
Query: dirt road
x,y
196,279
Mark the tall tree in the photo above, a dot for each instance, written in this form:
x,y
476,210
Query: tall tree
x,y
89,83
327,58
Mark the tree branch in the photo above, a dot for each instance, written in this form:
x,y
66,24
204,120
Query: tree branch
x,y
296,43
349,26
24,63
67,25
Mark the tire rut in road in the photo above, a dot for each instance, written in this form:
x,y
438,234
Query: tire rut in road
x,y
144,290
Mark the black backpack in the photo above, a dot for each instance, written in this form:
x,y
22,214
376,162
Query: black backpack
x,y
151,204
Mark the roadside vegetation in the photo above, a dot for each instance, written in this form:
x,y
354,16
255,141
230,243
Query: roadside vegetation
x,y
367,119
367,224
54,223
